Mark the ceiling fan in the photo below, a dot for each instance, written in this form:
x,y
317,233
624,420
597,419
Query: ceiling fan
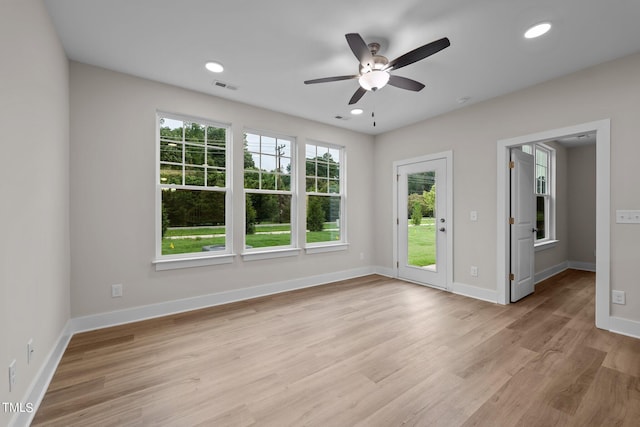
x,y
375,70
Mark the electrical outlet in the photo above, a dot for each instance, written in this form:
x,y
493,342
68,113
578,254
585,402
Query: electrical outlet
x,y
618,297
12,375
30,351
474,271
116,291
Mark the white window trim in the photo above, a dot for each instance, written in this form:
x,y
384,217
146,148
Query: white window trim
x,y
549,241
252,254
338,245
170,262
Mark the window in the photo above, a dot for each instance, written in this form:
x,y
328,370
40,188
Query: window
x,y
268,182
544,190
325,195
192,187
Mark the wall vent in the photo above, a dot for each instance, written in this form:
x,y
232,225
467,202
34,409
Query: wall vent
x,y
224,85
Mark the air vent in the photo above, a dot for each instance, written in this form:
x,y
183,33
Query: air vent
x,y
224,85
339,117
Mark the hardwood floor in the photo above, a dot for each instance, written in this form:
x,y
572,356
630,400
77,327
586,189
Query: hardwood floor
x,y
368,352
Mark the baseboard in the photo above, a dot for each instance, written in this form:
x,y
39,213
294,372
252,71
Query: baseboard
x,y
626,327
40,384
550,272
136,314
489,295
579,265
385,271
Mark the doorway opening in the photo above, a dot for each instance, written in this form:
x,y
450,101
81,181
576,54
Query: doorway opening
x,y
601,129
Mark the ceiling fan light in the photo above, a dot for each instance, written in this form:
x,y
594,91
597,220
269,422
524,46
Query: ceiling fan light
x,y
374,80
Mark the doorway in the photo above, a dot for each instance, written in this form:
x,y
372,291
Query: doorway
x,y
602,130
423,227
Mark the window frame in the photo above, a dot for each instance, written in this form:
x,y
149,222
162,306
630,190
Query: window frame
x,y
292,249
328,246
193,259
549,195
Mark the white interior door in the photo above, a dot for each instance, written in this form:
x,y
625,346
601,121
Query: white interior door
x,y
423,222
523,216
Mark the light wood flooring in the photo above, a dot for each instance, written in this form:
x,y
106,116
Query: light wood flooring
x,y
368,352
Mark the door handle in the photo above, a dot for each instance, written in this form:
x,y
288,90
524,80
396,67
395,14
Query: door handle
x,y
441,228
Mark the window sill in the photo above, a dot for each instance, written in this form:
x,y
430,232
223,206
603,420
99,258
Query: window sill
x,y
187,262
326,248
274,253
547,244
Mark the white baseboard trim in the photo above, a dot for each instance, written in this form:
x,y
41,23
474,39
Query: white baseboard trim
x,y
627,327
136,314
40,384
385,271
549,272
489,295
579,265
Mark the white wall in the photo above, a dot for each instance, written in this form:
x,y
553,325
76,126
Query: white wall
x,y
34,247
113,193
582,203
606,91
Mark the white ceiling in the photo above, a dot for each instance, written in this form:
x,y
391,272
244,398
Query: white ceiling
x,y
270,47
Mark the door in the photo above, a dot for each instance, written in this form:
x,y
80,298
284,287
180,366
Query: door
x,y
522,220
423,222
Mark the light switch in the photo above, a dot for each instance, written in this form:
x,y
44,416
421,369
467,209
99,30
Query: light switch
x,y
473,216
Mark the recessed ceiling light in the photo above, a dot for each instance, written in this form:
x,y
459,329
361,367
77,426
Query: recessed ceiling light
x,y
214,67
357,111
537,30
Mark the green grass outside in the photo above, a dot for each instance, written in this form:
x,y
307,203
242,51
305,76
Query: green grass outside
x,y
422,245
182,246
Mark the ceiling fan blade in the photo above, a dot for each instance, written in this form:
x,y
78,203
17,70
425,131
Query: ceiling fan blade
x,y
419,54
359,48
405,83
330,79
356,96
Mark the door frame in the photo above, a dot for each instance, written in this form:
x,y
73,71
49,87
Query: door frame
x,y
603,209
448,157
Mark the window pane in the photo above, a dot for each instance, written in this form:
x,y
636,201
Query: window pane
x,y
334,155
323,185
527,149
268,181
284,147
171,129
284,182
170,152
268,220
334,186
310,152
193,155
194,132
268,145
334,171
283,165
193,175
216,137
268,163
170,174
540,217
311,168
192,221
216,177
323,219
311,185
216,157
251,179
